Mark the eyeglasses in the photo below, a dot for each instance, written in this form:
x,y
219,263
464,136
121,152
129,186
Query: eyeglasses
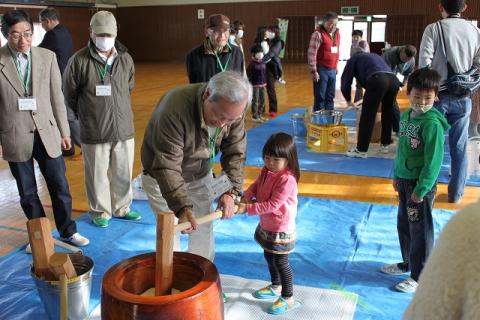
x,y
17,35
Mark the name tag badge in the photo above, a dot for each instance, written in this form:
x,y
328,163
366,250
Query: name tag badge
x,y
219,186
103,90
334,49
27,104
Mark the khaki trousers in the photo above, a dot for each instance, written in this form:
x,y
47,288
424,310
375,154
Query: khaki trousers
x,y
202,240
108,176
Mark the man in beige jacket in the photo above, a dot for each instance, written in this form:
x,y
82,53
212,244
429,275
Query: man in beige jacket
x,y
33,123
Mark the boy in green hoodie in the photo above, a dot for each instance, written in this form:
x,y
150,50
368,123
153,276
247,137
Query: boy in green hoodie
x,y
417,165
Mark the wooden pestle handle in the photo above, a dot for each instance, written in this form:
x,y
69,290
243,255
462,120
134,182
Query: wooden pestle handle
x,y
63,297
164,254
204,219
62,267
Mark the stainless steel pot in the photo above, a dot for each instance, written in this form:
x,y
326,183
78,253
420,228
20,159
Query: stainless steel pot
x,y
327,118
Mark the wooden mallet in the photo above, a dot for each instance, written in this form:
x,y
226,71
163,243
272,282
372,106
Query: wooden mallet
x,y
41,242
164,257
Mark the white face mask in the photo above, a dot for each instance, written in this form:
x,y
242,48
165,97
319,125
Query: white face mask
x,y
240,34
422,108
104,43
231,38
259,55
270,35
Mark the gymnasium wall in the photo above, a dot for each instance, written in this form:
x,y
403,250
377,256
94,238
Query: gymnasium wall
x,y
168,32
163,33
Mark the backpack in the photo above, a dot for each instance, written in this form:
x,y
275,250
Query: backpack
x,y
460,84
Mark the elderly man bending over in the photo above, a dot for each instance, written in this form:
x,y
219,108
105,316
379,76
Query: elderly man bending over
x,y
190,125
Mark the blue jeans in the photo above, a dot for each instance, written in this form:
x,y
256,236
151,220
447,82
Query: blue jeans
x,y
457,111
415,227
324,89
53,170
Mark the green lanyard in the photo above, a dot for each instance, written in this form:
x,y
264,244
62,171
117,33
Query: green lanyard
x,y
102,73
223,67
211,146
333,39
24,80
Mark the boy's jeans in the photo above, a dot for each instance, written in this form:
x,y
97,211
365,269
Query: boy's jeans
x,y
415,227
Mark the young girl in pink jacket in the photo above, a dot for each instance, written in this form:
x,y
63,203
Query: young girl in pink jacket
x,y
273,196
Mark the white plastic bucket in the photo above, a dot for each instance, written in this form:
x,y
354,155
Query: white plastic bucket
x,y
473,155
298,123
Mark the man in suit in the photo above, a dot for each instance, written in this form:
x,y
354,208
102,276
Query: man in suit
x,y
59,40
33,123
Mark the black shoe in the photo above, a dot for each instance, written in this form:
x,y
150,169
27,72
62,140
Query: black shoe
x,y
70,152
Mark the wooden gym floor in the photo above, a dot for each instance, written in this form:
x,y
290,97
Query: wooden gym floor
x,y
152,81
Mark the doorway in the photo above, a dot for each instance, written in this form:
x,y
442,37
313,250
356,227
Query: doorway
x,y
373,28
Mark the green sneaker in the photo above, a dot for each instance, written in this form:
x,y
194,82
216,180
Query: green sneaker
x,y
132,215
281,306
265,293
100,222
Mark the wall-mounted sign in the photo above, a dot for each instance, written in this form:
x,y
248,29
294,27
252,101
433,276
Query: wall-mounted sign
x,y
350,10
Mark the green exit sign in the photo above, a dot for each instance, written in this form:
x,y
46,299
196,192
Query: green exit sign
x,y
350,10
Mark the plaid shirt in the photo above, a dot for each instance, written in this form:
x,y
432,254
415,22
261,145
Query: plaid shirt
x,y
315,42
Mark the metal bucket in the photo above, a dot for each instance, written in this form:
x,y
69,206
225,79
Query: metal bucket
x,y
327,118
298,122
79,289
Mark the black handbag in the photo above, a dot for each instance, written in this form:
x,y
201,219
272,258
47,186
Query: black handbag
x,y
460,84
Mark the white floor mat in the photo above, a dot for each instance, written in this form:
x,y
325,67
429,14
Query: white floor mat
x,y
318,304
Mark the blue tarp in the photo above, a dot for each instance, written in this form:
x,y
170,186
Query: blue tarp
x,y
329,162
341,246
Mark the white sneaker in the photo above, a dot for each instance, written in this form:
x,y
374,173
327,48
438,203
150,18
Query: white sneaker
x,y
384,148
264,119
257,120
408,286
28,249
77,240
354,153
281,81
393,269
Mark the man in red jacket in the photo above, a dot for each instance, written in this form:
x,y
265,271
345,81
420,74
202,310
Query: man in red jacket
x,y
323,57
